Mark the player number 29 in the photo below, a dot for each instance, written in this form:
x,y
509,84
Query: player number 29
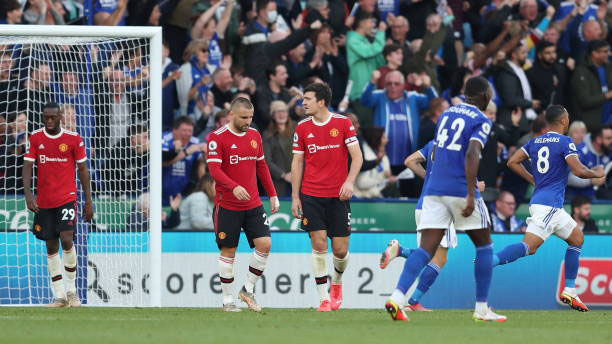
x,y
67,214
542,162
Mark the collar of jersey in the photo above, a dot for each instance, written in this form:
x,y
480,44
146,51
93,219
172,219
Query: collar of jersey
x,y
51,136
320,124
553,132
230,130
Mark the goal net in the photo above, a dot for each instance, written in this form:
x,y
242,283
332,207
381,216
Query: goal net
x,y
104,81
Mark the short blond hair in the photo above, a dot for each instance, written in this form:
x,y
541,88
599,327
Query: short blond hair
x,y
193,47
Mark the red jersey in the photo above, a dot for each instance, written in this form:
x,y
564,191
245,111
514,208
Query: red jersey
x,y
237,159
324,146
55,158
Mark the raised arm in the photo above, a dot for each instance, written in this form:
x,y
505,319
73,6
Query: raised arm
x,y
515,163
196,31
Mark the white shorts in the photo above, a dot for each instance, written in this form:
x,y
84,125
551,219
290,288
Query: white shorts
x,y
450,236
545,220
442,211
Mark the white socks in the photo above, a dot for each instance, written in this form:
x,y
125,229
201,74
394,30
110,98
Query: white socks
x,y
319,267
226,273
257,264
339,267
54,264
70,262
481,307
398,297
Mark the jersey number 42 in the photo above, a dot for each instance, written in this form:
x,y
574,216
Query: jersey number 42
x,y
457,126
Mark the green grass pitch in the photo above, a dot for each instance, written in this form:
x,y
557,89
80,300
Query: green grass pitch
x,y
196,325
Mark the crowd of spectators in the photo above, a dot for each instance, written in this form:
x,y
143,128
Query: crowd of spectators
x,y
394,66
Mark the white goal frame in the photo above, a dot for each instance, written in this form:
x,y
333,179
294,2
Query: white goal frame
x,y
155,117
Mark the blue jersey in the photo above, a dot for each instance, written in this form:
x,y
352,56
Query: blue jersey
x,y
176,177
456,127
426,153
108,6
548,167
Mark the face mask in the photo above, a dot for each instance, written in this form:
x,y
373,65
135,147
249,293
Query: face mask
x,y
272,17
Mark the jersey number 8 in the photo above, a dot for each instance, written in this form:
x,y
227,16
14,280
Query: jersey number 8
x,y
542,163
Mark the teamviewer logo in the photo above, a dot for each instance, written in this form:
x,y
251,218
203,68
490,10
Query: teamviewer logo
x,y
234,159
43,159
312,148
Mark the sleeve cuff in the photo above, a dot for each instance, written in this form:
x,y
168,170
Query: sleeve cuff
x,y
298,152
82,160
479,140
28,158
570,154
213,160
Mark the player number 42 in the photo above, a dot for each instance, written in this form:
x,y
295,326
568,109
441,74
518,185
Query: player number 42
x,y
457,126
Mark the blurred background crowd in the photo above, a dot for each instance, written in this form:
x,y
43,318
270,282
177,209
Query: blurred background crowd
x,y
394,66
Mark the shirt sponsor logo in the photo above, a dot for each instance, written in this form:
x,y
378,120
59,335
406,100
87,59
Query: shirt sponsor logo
x,y
63,147
593,283
45,159
234,159
334,132
312,148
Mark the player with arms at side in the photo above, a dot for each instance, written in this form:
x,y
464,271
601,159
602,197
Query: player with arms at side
x,y
55,152
427,278
236,160
451,197
553,155
321,145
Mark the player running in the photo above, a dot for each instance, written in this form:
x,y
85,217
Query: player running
x,y
55,151
450,196
394,249
553,155
236,160
321,145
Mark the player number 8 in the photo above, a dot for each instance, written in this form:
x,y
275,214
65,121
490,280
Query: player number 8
x,y
542,162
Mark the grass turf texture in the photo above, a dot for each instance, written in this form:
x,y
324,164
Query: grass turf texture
x,y
196,325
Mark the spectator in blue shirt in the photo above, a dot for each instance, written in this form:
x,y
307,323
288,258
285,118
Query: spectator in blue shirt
x,y
110,12
399,113
503,218
181,154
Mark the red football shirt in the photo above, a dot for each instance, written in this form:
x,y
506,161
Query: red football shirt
x,y
55,158
324,146
237,159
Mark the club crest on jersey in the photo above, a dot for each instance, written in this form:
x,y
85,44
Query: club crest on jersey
x,y
254,144
334,132
305,221
37,228
222,235
63,147
212,145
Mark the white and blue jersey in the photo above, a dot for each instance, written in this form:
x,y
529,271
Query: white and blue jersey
x,y
176,177
456,127
549,168
426,153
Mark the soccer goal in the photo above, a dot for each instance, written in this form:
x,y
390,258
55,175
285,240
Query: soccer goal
x,y
107,81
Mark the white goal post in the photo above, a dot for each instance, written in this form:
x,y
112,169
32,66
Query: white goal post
x,y
17,286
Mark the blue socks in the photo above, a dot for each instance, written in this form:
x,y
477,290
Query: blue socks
x,y
510,253
412,267
483,269
405,252
428,277
572,254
